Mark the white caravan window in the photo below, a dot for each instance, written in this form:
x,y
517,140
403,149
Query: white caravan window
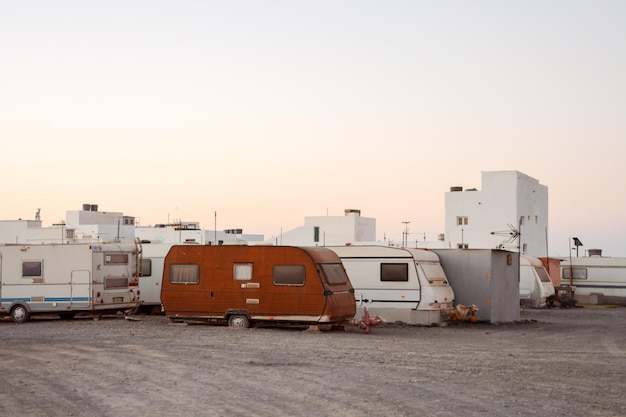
x,y
116,258
434,272
184,273
146,267
242,271
394,272
579,273
335,274
112,283
543,274
32,269
288,274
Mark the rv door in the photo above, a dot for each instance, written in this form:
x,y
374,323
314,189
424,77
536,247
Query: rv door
x,y
80,291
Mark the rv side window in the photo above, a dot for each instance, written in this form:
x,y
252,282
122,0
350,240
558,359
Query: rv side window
x,y
31,268
112,283
116,258
334,273
394,272
146,267
184,273
579,273
288,274
242,271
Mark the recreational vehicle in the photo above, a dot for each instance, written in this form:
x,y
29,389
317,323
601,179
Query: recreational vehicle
x,y
243,285
401,285
535,285
67,279
596,279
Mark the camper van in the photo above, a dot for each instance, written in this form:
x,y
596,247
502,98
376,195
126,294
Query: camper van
x,y
67,279
244,285
596,279
535,285
401,285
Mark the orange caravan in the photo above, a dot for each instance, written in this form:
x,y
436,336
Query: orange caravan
x,y
241,285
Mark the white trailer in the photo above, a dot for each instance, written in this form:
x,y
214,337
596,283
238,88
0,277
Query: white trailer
x,y
535,285
67,279
600,279
401,285
151,275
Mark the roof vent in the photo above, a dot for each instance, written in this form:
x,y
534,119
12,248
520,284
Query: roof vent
x,y
352,211
456,188
595,252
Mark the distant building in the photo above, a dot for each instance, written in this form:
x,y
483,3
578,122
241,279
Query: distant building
x,y
330,230
509,201
91,225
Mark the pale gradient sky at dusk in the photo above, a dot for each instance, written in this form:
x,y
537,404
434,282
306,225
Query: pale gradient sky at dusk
x,y
270,111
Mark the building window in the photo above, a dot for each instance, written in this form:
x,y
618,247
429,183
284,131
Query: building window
x,y
316,234
525,247
242,271
289,275
32,269
461,220
184,273
462,245
70,233
536,219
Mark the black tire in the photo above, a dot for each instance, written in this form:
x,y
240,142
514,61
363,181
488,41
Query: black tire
x,y
20,314
239,320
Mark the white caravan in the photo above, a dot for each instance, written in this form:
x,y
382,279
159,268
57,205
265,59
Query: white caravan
x,y
67,279
535,285
151,275
398,284
600,277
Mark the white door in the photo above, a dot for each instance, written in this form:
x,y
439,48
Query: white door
x,y
80,291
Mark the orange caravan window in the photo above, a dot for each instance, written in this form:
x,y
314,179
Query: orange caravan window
x,y
184,273
335,274
394,272
289,274
242,271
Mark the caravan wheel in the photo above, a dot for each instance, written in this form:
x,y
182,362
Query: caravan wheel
x,y
20,314
238,320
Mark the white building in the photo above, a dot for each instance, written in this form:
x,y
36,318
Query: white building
x,y
509,201
91,225
330,230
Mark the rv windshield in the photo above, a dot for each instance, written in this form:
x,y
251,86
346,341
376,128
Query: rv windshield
x,y
334,273
434,272
543,274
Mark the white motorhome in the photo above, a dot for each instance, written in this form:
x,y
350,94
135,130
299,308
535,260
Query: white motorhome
x,y
67,279
398,284
601,280
535,285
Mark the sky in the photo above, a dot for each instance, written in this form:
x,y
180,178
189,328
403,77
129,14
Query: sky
x,y
257,114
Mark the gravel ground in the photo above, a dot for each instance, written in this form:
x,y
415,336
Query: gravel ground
x,y
552,363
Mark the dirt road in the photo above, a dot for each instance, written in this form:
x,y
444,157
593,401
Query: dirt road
x,y
552,363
